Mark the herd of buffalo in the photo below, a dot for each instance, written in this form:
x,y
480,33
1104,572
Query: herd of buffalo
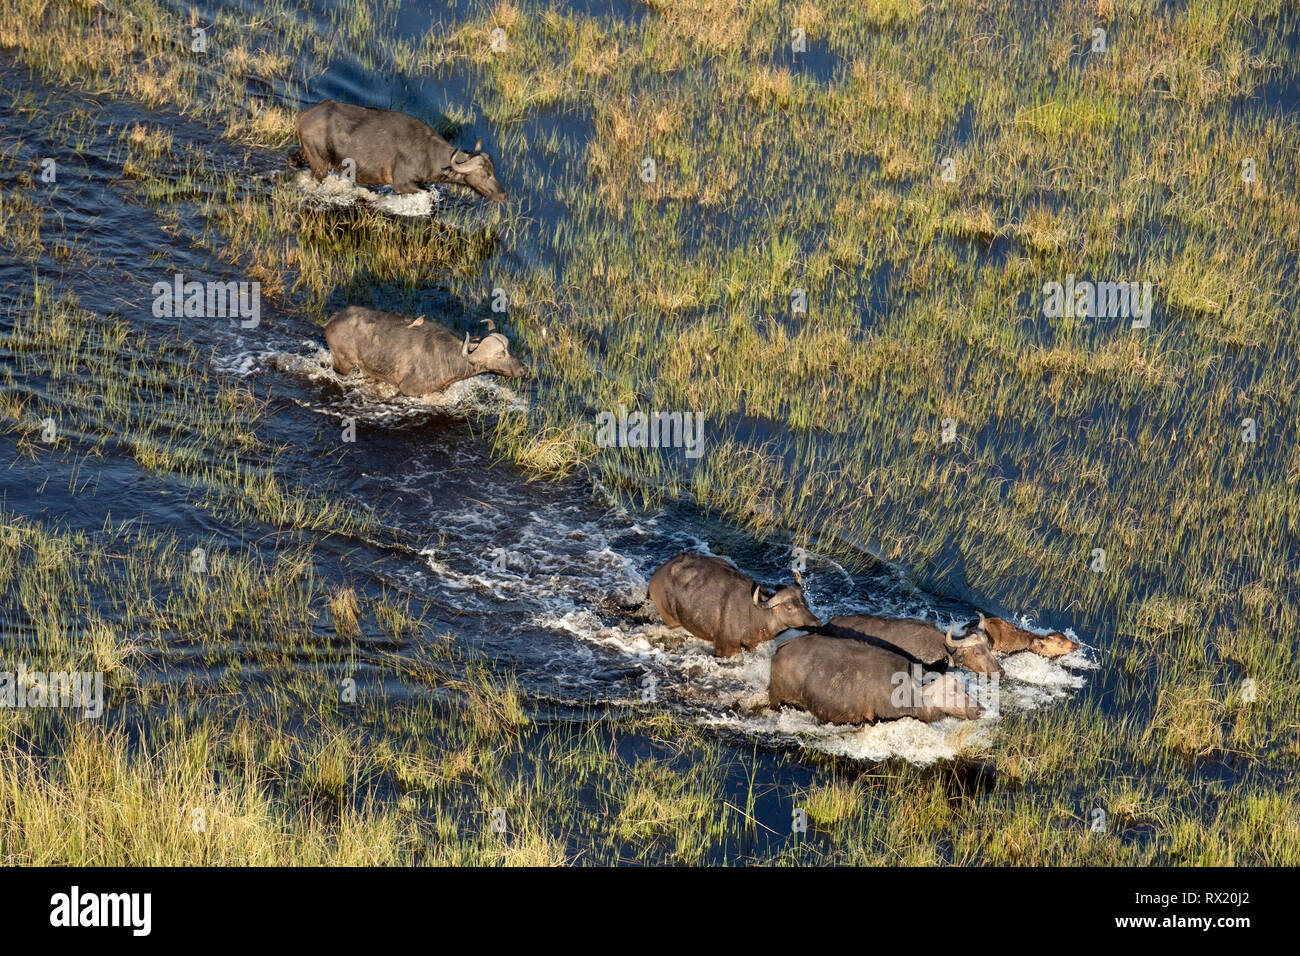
x,y
853,669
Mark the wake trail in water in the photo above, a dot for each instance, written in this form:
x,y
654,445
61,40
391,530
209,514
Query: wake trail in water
x,y
580,574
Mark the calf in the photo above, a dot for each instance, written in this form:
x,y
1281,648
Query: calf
x,y
1007,638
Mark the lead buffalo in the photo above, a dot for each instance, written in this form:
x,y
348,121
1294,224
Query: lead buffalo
x,y
919,640
1007,638
842,680
417,356
388,148
717,603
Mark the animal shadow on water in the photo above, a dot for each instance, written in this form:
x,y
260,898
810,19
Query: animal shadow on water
x,y
432,244
963,777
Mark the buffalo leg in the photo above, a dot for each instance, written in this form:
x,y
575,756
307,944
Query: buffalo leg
x,y
407,386
344,361
320,167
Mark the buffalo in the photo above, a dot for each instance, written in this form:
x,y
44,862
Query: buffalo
x,y
714,601
388,147
417,356
1007,638
842,680
922,642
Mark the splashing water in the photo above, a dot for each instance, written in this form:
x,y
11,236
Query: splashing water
x,y
337,192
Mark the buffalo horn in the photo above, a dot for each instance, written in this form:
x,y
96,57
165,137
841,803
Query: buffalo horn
x,y
952,644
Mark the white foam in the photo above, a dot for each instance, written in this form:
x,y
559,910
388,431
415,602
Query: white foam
x,y
240,358
589,627
336,192
909,739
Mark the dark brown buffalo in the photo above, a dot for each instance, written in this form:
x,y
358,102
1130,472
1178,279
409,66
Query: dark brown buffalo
x,y
717,603
418,356
388,148
1007,638
919,640
842,680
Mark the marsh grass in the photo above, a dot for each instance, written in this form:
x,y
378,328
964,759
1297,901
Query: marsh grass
x,y
97,804
107,387
832,804
924,303
345,609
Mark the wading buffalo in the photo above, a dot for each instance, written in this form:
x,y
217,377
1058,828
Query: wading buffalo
x,y
715,602
922,642
842,680
389,148
417,356
1007,638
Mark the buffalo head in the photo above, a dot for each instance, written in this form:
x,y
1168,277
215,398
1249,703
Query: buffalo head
x,y
787,605
475,170
973,652
1007,638
492,354
1054,644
